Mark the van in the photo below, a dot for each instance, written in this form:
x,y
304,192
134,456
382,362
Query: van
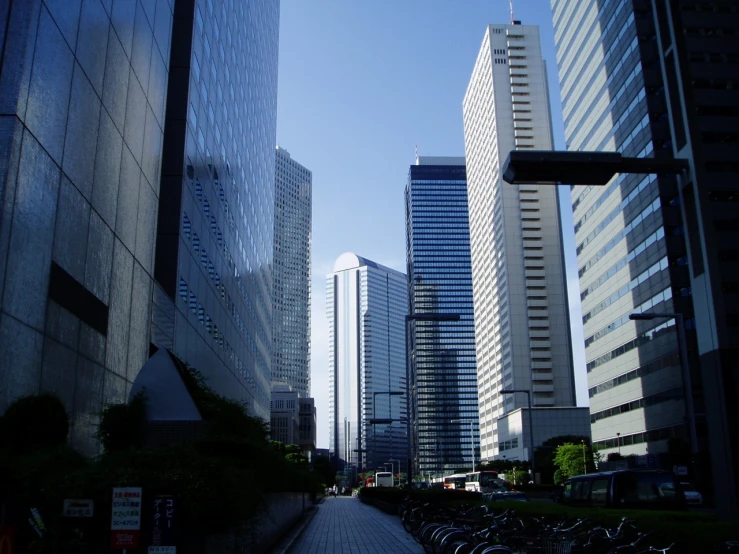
x,y
628,488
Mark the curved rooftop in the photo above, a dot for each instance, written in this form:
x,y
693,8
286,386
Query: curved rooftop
x,y
349,260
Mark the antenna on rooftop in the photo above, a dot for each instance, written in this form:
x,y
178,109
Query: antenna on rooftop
x,y
510,3
416,154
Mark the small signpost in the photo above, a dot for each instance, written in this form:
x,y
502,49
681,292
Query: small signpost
x,y
163,525
78,507
125,525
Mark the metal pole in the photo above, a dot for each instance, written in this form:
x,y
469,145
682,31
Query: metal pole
x,y
531,437
584,459
472,444
687,383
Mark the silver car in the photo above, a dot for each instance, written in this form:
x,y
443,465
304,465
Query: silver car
x,y
692,496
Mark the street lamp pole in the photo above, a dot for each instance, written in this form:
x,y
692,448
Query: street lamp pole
x,y
531,426
685,369
472,438
584,459
374,421
408,318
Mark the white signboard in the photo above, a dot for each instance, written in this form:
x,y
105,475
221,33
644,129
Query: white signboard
x,y
162,550
126,516
77,507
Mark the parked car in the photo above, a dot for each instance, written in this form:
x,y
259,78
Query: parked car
x,y
692,496
628,488
505,496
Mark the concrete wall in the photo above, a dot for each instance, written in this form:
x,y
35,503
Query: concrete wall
x,y
281,512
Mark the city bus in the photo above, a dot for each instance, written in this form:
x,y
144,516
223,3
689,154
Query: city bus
x,y
484,481
384,479
456,481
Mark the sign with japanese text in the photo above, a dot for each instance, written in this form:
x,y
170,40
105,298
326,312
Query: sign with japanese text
x,y
7,539
77,507
125,525
163,525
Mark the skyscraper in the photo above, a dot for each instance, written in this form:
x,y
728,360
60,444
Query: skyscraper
x,y
366,304
660,81
82,98
291,300
214,244
443,373
522,329
625,233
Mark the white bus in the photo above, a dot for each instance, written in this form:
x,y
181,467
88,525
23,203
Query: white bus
x,y
384,479
484,481
456,481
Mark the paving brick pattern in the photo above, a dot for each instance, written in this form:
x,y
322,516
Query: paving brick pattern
x,y
344,525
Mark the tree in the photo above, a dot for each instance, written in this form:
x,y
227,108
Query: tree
x,y
545,454
572,459
123,426
34,423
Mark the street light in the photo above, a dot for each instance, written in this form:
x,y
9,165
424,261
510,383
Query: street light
x,y
396,460
685,370
618,442
381,421
584,459
408,318
472,438
580,168
531,426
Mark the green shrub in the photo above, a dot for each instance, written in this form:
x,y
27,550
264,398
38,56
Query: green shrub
x,y
35,422
123,426
436,496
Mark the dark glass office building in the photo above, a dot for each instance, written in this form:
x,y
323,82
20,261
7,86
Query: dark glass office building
x,y
661,79
442,369
82,103
214,244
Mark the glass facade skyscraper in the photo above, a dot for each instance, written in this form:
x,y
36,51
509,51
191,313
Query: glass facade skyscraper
x,y
442,368
366,304
82,104
214,249
522,327
291,300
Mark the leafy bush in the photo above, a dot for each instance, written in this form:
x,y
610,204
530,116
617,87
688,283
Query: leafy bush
x,y
123,426
35,422
436,496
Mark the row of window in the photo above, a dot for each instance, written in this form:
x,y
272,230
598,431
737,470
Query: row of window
x,y
654,269
661,296
672,360
645,402
652,435
611,271
188,296
630,226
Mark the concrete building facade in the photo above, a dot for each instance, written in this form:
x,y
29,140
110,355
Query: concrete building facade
x,y
522,327
661,83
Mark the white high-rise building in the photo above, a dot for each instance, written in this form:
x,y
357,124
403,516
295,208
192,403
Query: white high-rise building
x,y
291,293
522,328
366,305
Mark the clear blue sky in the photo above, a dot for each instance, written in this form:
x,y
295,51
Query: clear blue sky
x,y
361,83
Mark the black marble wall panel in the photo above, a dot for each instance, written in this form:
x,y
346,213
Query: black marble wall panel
x,y
82,88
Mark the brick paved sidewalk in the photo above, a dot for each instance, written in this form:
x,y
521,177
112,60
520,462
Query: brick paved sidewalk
x,y
345,525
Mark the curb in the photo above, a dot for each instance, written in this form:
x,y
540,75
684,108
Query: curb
x,y
287,543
